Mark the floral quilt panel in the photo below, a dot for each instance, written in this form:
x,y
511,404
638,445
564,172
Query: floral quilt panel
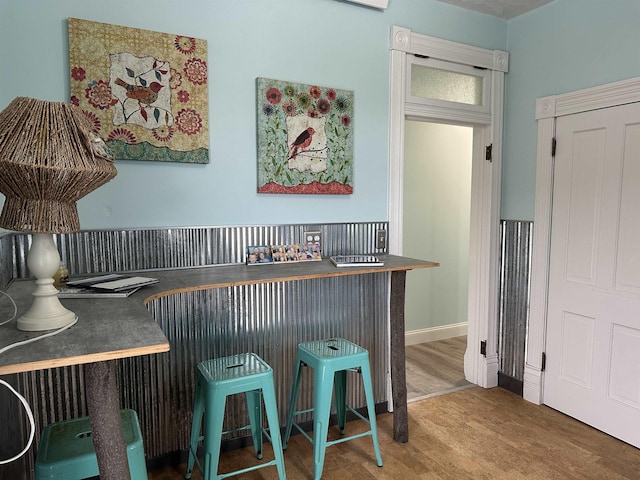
x,y
305,138
144,92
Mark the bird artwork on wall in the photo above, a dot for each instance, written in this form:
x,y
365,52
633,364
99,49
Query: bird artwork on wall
x,y
144,92
301,142
305,138
141,99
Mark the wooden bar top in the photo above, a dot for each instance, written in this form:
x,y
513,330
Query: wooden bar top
x,y
113,328
219,276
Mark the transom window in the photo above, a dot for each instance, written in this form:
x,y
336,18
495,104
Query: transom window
x,y
440,83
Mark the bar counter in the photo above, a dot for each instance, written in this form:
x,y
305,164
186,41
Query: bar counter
x,y
179,281
110,329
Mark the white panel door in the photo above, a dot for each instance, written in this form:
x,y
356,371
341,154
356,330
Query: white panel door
x,y
593,322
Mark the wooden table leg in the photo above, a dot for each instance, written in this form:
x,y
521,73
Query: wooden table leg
x,y
104,412
398,373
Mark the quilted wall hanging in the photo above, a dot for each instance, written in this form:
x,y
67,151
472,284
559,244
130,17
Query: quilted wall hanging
x,y
145,92
305,138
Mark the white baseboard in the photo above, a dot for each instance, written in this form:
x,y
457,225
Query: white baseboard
x,y
533,382
435,333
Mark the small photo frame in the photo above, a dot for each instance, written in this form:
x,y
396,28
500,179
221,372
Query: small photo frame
x,y
259,255
296,252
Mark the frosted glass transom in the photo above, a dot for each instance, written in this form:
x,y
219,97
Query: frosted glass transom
x,y
429,82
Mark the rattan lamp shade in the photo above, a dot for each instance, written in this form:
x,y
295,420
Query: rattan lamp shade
x,y
49,159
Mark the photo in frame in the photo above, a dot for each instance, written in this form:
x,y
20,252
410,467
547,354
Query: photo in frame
x,y
144,92
259,255
305,138
296,252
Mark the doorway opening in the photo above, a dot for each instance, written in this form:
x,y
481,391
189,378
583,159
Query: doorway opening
x,y
436,221
417,61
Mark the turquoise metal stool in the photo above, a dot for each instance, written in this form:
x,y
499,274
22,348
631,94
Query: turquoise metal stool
x,y
66,449
331,359
216,379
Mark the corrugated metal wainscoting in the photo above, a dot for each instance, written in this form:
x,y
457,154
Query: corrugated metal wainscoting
x,y
269,319
515,270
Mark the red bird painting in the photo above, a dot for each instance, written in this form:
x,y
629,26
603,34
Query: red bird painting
x,y
303,141
146,95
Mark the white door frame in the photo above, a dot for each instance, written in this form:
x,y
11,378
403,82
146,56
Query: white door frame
x,y
485,215
547,110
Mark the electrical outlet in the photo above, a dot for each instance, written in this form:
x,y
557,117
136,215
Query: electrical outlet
x,y
381,239
314,237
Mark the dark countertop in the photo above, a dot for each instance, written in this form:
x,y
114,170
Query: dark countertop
x,y
114,328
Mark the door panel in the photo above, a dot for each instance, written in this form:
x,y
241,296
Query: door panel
x,y
625,366
628,261
593,321
584,196
577,349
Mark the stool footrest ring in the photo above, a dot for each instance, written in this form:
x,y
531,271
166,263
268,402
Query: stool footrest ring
x,y
248,469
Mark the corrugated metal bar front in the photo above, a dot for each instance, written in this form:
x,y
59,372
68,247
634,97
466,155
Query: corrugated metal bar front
x,y
52,394
515,270
268,319
6,259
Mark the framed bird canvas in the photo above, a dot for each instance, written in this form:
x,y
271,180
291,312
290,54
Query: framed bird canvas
x,y
144,92
305,138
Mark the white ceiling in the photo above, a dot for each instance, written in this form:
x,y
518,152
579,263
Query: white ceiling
x,y
499,8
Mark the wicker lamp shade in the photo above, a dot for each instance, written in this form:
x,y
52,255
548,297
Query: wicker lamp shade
x,y
49,159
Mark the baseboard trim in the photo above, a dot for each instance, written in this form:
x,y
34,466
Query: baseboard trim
x,y
432,334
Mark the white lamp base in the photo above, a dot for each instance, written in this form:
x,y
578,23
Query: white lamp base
x,y
46,312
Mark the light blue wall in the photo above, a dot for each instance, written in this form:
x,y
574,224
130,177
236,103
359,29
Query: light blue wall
x,y
564,46
324,42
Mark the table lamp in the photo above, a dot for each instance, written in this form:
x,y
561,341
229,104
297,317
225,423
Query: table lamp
x,y
49,159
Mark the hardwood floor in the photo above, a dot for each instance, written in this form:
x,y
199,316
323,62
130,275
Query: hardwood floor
x,y
474,433
457,432
436,367
467,433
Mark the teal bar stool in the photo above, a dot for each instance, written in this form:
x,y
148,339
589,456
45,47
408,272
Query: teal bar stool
x,y
216,379
331,359
66,449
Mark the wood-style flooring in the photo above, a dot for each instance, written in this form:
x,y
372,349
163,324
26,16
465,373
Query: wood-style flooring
x,y
436,367
473,433
468,433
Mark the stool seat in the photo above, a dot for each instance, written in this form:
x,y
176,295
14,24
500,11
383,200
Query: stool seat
x,y
337,352
66,449
331,359
216,379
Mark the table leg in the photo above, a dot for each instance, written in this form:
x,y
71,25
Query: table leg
x,y
398,372
104,412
